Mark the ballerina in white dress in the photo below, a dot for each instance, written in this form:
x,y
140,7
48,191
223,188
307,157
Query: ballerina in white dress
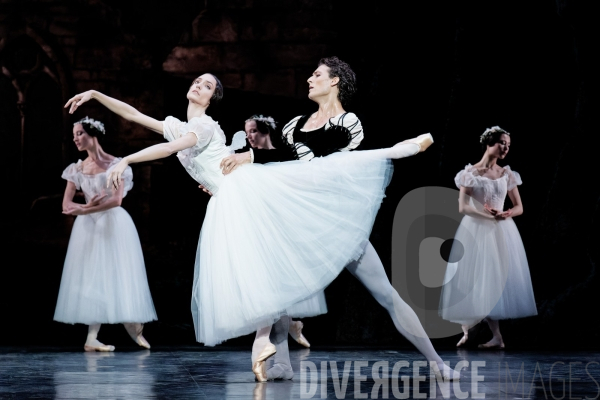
x,y
488,274
316,216
104,277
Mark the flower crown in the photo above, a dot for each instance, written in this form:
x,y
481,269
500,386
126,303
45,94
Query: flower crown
x,y
96,124
488,132
267,120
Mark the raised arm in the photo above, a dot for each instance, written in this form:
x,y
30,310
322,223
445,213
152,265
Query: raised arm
x,y
155,152
118,107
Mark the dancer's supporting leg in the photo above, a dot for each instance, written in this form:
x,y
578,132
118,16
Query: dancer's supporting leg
x,y
282,368
369,270
92,343
262,349
463,340
135,330
496,342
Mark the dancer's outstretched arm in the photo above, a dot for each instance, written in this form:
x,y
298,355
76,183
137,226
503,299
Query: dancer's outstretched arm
x,y
118,107
161,150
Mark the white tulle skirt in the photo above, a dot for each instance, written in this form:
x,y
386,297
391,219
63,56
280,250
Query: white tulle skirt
x,y
279,233
491,279
104,277
314,305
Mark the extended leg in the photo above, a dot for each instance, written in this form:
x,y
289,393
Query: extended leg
x,y
369,270
92,343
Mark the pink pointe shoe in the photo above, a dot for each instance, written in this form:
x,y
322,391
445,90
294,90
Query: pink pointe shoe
x,y
259,367
296,333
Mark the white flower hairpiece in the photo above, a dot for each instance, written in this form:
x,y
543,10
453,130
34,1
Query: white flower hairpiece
x,y
96,124
486,134
267,120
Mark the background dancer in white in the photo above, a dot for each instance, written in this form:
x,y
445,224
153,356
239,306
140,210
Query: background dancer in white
x,y
104,277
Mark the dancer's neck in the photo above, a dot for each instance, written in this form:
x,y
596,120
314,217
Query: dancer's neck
x,y
328,108
96,153
195,110
487,161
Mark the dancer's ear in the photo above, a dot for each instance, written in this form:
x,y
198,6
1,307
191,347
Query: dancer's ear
x,y
335,81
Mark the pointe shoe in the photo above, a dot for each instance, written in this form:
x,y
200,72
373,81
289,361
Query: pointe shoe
x,y
447,375
99,347
462,341
260,371
135,331
296,333
423,141
267,352
259,367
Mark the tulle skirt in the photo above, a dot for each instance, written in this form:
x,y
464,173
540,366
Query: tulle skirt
x,y
279,233
314,305
104,277
489,276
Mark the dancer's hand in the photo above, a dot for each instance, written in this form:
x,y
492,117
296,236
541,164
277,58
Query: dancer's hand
x,y
74,210
504,215
94,201
230,163
205,190
492,211
115,176
78,100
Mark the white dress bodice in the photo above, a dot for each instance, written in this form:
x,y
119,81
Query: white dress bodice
x,y
485,190
202,161
95,184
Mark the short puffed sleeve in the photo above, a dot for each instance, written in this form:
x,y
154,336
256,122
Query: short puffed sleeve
x,y
288,129
514,179
127,176
73,174
465,177
173,129
351,122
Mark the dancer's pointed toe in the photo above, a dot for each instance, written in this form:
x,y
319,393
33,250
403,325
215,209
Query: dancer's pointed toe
x,y
423,141
267,352
296,333
260,371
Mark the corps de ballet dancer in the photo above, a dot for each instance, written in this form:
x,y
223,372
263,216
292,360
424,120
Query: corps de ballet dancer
x,y
491,280
239,285
258,129
104,276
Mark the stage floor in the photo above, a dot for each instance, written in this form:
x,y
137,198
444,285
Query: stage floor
x,y
332,373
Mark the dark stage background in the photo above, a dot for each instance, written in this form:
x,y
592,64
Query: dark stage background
x,y
451,68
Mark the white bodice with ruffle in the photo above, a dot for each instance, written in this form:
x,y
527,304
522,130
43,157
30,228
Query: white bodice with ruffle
x,y
202,161
485,190
95,184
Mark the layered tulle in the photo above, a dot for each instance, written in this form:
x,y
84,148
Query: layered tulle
x,y
314,305
104,277
279,233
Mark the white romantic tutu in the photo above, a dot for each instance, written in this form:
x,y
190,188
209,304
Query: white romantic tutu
x,y
104,278
314,305
492,277
279,233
